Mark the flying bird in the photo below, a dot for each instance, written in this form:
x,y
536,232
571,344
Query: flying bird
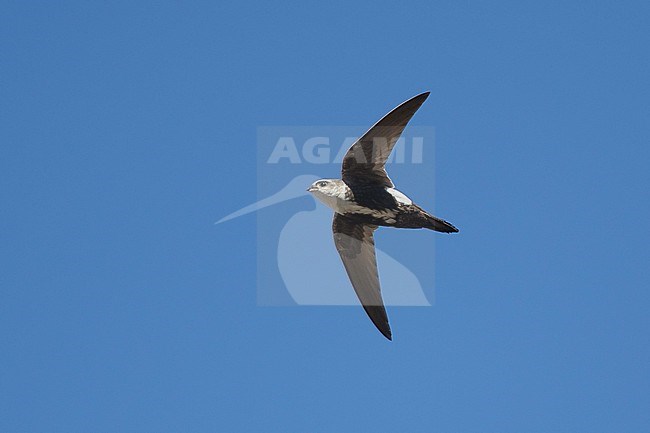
x,y
364,199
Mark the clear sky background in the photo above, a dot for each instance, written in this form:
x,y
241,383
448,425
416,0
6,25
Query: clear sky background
x,y
128,128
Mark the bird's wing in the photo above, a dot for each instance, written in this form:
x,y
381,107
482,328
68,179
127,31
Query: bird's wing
x,y
356,246
364,161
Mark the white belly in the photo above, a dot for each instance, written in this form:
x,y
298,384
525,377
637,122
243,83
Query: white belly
x,y
339,205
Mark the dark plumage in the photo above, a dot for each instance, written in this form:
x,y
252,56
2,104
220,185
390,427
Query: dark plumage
x,y
365,199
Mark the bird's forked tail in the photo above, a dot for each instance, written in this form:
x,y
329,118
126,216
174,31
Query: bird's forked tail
x,y
439,225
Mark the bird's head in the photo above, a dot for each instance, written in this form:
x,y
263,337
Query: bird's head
x,y
326,187
328,191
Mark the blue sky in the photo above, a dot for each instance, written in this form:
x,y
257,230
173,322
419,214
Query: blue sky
x,y
128,128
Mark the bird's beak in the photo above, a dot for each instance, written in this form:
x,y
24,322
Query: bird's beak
x,y
311,189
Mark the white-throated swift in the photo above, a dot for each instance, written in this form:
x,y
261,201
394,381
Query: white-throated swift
x,y
364,199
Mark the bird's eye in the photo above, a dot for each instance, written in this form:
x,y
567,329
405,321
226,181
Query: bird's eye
x,y
322,184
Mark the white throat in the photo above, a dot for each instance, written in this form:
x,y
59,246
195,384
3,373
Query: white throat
x,y
334,198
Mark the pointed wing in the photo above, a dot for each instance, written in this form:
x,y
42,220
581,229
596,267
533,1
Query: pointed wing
x,y
356,246
364,161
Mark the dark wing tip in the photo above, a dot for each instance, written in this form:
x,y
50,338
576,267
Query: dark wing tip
x,y
385,331
421,97
416,102
377,314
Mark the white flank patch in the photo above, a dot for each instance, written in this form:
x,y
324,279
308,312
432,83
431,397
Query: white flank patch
x,y
399,196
